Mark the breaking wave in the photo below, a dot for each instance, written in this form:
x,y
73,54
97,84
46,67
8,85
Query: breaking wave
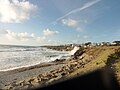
x,y
13,57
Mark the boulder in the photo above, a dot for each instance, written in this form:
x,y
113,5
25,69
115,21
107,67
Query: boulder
x,y
78,53
26,87
36,80
35,84
39,79
64,73
54,79
33,80
21,84
26,82
9,87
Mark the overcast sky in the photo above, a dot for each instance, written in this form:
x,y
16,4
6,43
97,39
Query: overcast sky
x,y
51,22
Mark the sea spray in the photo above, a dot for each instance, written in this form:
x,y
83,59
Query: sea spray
x,y
13,57
74,50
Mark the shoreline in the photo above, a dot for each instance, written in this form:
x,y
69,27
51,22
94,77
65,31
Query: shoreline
x,y
16,75
48,73
37,65
21,69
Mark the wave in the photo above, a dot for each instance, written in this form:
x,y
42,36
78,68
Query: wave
x,y
20,49
74,50
17,57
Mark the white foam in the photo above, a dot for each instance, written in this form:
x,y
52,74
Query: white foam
x,y
10,60
74,50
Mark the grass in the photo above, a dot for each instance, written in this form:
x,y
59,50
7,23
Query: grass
x,y
101,55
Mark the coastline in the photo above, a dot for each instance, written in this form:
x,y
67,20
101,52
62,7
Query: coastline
x,y
16,75
28,67
47,73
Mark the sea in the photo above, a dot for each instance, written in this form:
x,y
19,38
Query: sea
x,y
14,57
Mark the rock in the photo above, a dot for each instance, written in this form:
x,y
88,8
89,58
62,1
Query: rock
x,y
54,75
26,87
78,53
71,70
63,68
21,84
67,68
60,70
49,76
9,87
39,79
63,73
54,79
59,60
44,78
68,65
45,74
73,65
57,75
35,84
35,79
26,82
78,66
83,66
40,76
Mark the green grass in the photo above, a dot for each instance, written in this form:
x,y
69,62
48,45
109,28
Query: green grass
x,y
101,56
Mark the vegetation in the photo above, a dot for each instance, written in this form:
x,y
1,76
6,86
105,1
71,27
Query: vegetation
x,y
102,56
113,58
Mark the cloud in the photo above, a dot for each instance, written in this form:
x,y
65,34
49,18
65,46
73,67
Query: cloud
x,y
23,36
48,32
70,22
2,32
85,6
53,42
15,11
76,24
79,29
40,39
19,36
84,37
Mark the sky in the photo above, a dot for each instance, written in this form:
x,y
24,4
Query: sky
x,y
56,22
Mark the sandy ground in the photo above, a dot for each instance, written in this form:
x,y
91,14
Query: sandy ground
x,y
24,73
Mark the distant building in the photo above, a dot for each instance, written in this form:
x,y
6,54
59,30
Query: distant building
x,y
94,44
105,43
117,43
88,44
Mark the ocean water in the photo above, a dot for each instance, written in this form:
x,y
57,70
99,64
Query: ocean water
x,y
13,57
